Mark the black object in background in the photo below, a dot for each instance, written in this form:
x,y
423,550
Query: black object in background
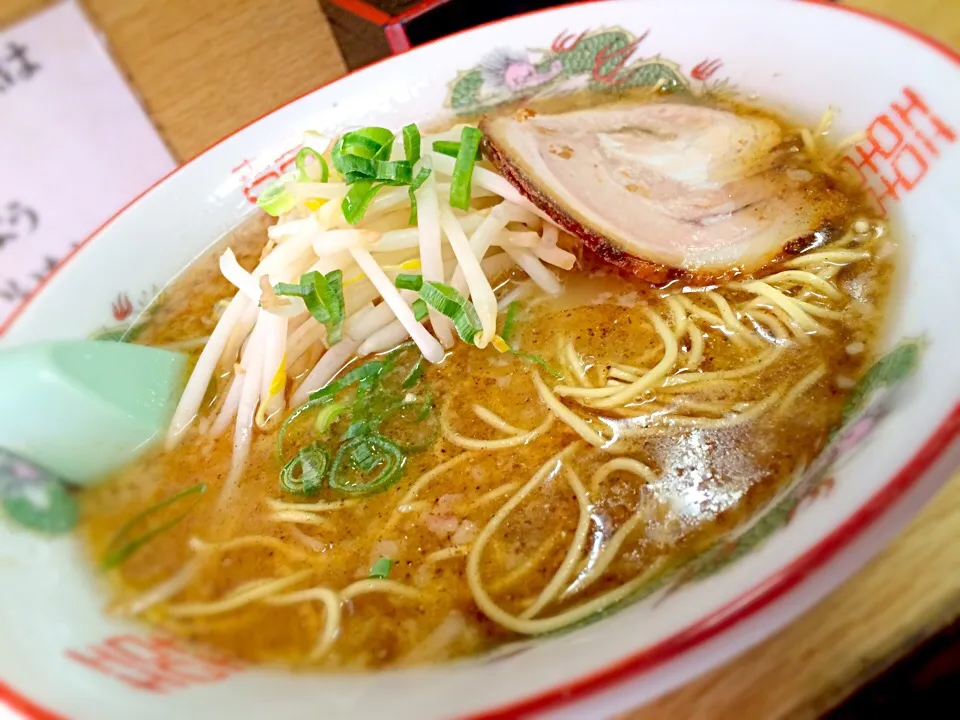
x,y
922,685
368,30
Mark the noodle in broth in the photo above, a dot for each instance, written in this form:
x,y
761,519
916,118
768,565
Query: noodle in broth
x,y
634,425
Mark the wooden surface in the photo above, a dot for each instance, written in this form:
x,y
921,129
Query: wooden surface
x,y
207,67
204,68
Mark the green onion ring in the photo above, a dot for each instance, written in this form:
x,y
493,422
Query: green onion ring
x,y
383,450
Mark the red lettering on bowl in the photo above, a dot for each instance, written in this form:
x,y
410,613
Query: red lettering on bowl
x,y
254,183
154,663
898,148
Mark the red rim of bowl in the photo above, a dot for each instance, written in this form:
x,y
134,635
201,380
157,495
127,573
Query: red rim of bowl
x,y
708,627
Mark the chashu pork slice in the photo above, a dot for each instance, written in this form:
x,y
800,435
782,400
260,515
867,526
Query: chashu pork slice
x,y
664,189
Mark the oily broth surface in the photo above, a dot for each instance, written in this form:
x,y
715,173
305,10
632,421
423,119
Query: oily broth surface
x,y
709,480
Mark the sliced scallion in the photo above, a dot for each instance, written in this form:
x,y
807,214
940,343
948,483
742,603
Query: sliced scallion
x,y
381,568
412,220
363,457
358,199
323,296
411,191
360,428
460,182
368,142
509,322
420,310
121,547
538,360
420,179
356,168
363,158
275,200
447,301
506,335
367,386
397,172
411,143
328,415
297,412
409,281
305,472
416,372
450,148
301,161
375,451
368,370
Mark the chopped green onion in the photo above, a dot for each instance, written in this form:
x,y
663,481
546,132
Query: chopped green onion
x,y
353,145
368,143
420,310
363,458
312,462
509,327
326,303
372,408
447,301
385,150
363,158
323,296
420,179
358,198
374,368
409,281
275,199
509,322
397,172
537,359
450,147
120,548
414,186
367,386
366,458
412,220
416,372
427,409
360,428
297,412
460,182
381,568
357,168
46,506
379,135
327,415
378,452
302,165
411,143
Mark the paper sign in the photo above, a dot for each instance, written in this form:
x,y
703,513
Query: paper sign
x,y
75,145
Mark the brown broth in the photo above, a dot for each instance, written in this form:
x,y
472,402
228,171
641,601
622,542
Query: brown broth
x,y
709,479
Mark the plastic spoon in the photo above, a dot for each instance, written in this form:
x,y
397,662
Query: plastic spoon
x,y
81,409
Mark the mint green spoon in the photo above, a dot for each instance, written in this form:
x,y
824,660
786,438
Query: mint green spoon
x,y
81,409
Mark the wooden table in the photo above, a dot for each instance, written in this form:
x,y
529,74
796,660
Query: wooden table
x,y
207,67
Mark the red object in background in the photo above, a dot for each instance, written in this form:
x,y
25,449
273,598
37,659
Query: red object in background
x,y
368,30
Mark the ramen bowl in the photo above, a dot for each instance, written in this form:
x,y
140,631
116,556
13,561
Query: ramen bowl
x,y
62,655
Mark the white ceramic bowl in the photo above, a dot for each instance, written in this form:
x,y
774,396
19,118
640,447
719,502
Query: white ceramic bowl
x,y
60,656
